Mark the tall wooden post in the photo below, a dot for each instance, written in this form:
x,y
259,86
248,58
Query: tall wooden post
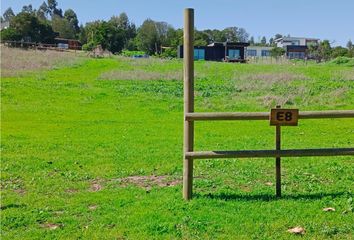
x,y
188,59
278,161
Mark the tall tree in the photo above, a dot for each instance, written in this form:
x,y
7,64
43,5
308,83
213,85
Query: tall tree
x,y
277,52
271,41
148,37
122,23
43,11
28,9
63,27
242,35
350,49
29,27
71,17
251,41
264,41
8,15
104,33
350,45
321,51
201,38
53,10
231,34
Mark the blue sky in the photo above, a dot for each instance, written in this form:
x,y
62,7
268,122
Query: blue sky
x,y
324,19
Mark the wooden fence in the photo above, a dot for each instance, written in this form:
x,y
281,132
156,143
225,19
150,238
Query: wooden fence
x,y
37,46
190,117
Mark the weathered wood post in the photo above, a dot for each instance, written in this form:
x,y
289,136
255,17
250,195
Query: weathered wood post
x,y
278,160
188,60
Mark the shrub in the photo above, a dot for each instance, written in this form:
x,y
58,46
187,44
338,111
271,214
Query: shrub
x,y
127,53
346,61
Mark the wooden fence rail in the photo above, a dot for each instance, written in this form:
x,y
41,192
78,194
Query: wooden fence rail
x,y
271,153
265,115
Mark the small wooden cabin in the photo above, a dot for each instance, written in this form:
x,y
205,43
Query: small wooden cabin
x,y
224,51
68,43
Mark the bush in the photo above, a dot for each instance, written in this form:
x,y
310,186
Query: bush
x,y
346,61
169,53
10,34
127,53
88,46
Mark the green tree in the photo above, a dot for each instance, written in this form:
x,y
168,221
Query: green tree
x,y
29,27
10,34
104,33
63,27
339,52
271,41
251,41
201,38
122,23
350,49
148,37
71,17
53,10
82,36
277,52
8,15
231,34
43,11
242,35
28,9
350,45
263,41
320,52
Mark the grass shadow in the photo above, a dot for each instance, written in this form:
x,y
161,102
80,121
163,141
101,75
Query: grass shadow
x,y
267,197
12,205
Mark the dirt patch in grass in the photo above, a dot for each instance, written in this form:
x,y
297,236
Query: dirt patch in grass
x,y
92,207
20,191
95,186
149,181
15,61
145,182
51,226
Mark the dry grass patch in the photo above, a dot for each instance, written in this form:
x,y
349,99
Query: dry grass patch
x,y
15,61
141,75
265,81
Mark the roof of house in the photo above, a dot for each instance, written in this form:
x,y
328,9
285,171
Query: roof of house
x,y
228,44
66,39
260,47
294,38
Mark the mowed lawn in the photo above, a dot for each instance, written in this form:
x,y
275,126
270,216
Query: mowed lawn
x,y
93,150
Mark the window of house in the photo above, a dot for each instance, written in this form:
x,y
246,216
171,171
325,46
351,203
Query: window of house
x,y
296,55
251,52
199,54
265,53
234,53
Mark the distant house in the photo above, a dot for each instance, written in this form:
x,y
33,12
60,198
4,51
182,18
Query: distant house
x,y
258,51
68,43
4,25
296,47
219,51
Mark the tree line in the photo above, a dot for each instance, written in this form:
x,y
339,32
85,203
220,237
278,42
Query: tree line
x,y
119,33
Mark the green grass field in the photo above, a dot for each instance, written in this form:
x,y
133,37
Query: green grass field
x,y
81,145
